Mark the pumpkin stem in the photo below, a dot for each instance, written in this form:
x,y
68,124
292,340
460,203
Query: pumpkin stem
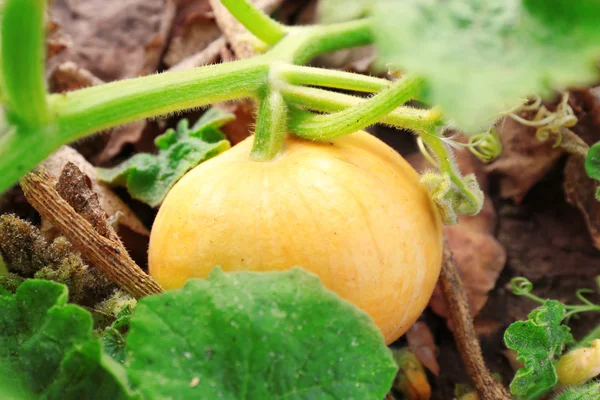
x,y
271,125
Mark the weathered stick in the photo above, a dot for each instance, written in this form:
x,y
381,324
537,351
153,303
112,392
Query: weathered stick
x,y
464,331
107,255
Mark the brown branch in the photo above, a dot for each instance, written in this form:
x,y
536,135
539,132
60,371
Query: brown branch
x,y
464,331
107,255
573,144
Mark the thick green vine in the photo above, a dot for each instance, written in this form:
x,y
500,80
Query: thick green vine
x,y
274,79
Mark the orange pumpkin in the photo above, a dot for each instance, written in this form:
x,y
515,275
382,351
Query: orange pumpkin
x,y
351,211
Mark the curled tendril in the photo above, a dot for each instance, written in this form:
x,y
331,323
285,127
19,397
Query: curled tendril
x,y
486,146
426,152
582,298
547,122
523,287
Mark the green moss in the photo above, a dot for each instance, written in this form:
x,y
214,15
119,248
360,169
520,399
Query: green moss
x,y
116,303
28,254
10,281
22,245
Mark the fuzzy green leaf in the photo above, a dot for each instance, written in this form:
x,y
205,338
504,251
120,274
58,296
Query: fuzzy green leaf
x,y
149,177
245,335
48,346
481,57
113,337
537,342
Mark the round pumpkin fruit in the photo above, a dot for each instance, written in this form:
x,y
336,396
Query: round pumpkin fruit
x,y
351,211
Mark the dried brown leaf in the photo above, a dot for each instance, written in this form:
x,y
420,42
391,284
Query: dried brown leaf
x,y
240,128
422,344
121,40
579,188
118,138
580,191
524,160
194,31
75,187
479,258
134,234
209,55
69,76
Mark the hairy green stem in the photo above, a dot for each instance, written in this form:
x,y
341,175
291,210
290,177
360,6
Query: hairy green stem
x,y
271,126
447,165
302,75
589,338
302,44
413,119
76,114
20,151
23,51
331,126
99,107
253,19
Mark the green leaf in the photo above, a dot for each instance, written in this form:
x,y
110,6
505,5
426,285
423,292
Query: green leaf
x,y
245,335
3,268
48,346
537,342
114,336
592,164
482,57
149,177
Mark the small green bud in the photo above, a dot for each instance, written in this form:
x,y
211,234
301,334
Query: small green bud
x,y
579,365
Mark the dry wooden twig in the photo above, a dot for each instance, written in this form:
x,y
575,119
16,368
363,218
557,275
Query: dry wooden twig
x,y
107,255
464,331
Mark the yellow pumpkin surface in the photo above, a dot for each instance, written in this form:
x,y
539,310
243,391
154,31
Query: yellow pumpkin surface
x,y
351,211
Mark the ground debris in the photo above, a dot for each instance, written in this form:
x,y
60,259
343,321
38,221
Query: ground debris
x,y
194,30
75,187
130,229
579,188
479,257
422,344
22,245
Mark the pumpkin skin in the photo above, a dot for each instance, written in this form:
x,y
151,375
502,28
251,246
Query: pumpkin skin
x,y
351,211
